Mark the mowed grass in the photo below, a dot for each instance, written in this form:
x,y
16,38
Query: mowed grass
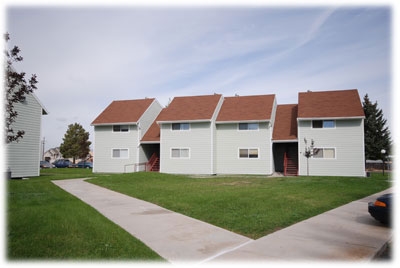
x,y
46,223
249,205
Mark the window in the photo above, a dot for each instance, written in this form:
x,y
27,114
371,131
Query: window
x,y
323,123
248,126
120,128
248,153
327,153
180,126
120,153
180,153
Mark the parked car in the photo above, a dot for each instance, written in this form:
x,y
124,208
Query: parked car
x,y
62,163
84,164
381,209
45,164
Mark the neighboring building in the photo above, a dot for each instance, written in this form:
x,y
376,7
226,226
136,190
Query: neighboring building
x,y
234,135
335,121
52,154
188,134
23,157
117,134
244,135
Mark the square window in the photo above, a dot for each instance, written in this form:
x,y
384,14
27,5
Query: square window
x,y
180,126
329,153
328,124
317,124
243,153
120,153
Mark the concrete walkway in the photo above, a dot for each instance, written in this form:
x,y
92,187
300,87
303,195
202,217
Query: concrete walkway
x,y
174,236
345,233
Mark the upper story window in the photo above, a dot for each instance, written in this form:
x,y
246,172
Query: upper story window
x,y
120,128
323,124
248,126
180,126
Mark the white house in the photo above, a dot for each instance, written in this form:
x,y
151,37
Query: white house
x,y
23,157
212,134
244,135
117,134
188,134
335,121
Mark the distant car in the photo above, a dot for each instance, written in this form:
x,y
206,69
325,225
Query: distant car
x,y
45,164
84,164
62,163
381,209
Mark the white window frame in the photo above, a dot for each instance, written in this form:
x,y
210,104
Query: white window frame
x,y
323,149
180,126
248,152
258,126
180,150
129,129
323,121
112,153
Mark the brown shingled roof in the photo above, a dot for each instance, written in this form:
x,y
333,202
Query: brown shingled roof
x,y
123,111
246,108
190,108
330,104
152,134
285,127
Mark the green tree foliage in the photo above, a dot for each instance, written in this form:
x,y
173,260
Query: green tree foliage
x,y
376,133
16,88
75,142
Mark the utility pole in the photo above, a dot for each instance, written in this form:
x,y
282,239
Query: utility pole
x,y
43,142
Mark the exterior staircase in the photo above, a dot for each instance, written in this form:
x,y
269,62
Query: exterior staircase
x,y
153,164
290,166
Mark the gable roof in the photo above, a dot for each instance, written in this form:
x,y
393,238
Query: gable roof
x,y
330,104
152,135
246,108
285,127
123,111
192,108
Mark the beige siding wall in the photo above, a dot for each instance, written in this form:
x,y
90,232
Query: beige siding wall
x,y
199,142
106,140
230,140
347,138
23,157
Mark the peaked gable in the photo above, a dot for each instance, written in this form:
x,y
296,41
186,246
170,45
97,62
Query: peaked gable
x,y
330,104
246,108
123,111
190,108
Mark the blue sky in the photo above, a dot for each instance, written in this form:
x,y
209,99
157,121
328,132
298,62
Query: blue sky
x,y
87,56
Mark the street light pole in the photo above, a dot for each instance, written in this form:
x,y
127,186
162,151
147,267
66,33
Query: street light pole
x,y
383,151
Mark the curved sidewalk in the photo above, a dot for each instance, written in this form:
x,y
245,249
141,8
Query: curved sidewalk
x,y
345,233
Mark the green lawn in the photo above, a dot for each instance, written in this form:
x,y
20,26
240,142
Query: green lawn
x,y
249,205
44,222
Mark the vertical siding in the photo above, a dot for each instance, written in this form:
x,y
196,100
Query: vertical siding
x,y
23,157
106,140
197,139
348,140
229,140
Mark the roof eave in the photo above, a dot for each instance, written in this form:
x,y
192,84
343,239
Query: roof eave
x,y
330,118
113,124
183,121
242,121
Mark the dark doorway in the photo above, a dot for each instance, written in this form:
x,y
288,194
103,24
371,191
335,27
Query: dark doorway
x,y
279,150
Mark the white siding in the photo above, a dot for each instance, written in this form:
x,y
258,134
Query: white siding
x,y
24,156
348,140
199,141
106,140
230,139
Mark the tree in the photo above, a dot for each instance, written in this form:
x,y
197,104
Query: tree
x,y
376,133
75,142
308,152
16,88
